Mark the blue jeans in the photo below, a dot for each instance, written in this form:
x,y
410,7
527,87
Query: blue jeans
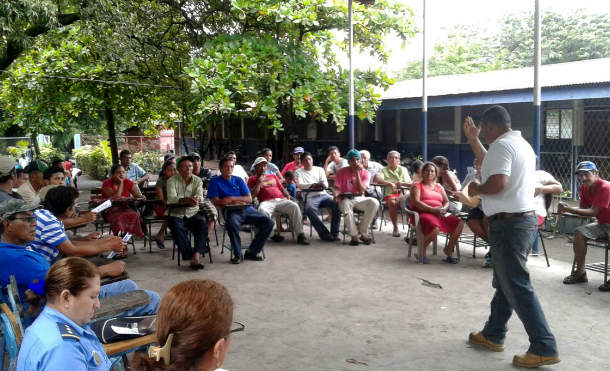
x,y
311,211
123,286
264,226
197,226
510,242
536,246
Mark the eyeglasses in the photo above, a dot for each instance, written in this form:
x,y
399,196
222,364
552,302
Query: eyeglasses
x,y
27,219
237,327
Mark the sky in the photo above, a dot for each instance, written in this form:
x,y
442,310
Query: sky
x,y
444,15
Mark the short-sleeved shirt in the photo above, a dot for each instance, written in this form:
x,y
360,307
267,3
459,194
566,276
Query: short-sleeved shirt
x,y
600,197
26,265
400,174
55,342
134,172
306,178
127,186
177,188
346,182
162,183
271,169
28,193
333,167
220,187
542,178
5,196
510,155
50,233
270,188
291,166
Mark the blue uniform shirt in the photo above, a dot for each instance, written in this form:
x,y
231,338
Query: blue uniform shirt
x,y
55,342
24,264
221,188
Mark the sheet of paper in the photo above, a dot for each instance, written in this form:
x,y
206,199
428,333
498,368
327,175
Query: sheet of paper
x,y
102,207
125,330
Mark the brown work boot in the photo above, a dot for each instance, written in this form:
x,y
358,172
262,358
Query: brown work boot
x,y
477,339
531,360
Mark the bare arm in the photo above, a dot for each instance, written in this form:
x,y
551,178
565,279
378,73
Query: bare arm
x,y
82,218
472,135
494,185
90,248
589,213
551,187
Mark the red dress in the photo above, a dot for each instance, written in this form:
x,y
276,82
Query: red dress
x,y
121,216
434,198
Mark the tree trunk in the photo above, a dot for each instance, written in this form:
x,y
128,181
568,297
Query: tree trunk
x,y
114,148
36,147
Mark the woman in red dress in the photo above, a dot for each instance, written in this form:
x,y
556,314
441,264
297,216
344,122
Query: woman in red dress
x,y
430,200
121,216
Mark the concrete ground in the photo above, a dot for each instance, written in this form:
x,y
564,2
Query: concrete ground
x,y
331,306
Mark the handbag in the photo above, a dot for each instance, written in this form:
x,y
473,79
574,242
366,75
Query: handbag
x,y
123,328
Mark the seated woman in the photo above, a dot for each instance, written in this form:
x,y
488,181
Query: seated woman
x,y
415,168
121,216
60,339
194,326
167,171
430,200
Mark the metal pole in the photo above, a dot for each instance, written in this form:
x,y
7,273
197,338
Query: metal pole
x,y
351,76
537,62
424,102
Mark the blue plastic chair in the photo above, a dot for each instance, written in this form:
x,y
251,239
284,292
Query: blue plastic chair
x,y
9,343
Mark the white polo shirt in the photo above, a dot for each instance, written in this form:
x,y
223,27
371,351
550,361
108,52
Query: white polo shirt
x,y
510,155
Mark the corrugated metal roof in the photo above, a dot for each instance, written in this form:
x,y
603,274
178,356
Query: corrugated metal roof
x,y
592,71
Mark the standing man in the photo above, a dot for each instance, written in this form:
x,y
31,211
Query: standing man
x,y
349,187
133,172
594,202
185,191
507,190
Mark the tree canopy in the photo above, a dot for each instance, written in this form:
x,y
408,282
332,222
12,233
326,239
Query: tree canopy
x,y
565,38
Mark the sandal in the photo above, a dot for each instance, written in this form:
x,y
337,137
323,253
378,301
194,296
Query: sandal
x,y
160,244
396,233
450,260
366,241
424,260
604,287
573,278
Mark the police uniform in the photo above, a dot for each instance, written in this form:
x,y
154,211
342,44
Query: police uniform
x,y
55,342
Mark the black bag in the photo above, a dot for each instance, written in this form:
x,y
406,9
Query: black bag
x,y
123,328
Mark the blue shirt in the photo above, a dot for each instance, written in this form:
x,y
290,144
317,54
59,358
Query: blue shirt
x,y
134,172
24,264
221,187
50,233
55,342
292,189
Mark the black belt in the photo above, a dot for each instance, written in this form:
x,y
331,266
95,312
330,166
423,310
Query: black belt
x,y
500,216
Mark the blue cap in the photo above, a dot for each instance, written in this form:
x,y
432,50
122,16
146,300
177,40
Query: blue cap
x,y
585,166
353,153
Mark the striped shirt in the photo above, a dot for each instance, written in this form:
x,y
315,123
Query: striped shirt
x,y
50,233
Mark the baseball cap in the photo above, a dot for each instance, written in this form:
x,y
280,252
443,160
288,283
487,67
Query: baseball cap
x,y
298,150
168,157
13,206
195,155
258,161
585,166
353,153
6,165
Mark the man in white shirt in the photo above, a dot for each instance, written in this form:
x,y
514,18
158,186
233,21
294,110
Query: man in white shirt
x,y
333,162
507,191
312,183
238,170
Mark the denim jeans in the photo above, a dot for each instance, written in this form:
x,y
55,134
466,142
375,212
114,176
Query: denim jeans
x,y
197,226
510,242
311,211
263,225
123,286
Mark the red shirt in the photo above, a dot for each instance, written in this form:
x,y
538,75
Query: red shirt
x,y
291,166
270,188
127,186
600,197
346,181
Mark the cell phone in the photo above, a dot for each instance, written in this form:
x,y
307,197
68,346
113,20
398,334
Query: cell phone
x,y
111,255
127,237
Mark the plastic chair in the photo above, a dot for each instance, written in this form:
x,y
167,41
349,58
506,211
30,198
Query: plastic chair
x,y
9,343
415,231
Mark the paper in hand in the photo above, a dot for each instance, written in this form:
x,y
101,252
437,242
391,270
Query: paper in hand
x,y
102,207
470,177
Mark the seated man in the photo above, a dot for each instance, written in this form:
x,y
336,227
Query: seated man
x,y
393,177
29,190
333,162
594,202
133,172
238,170
53,176
51,240
296,162
349,187
226,190
274,198
546,186
184,193
8,179
206,207
312,179
18,227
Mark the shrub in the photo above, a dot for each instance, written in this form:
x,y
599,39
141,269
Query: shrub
x,y
48,153
94,160
149,161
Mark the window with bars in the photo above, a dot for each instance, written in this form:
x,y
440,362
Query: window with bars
x,y
558,124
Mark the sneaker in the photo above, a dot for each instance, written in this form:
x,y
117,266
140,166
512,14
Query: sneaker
x,y
477,339
531,360
535,253
235,260
302,240
354,243
576,278
250,256
277,238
